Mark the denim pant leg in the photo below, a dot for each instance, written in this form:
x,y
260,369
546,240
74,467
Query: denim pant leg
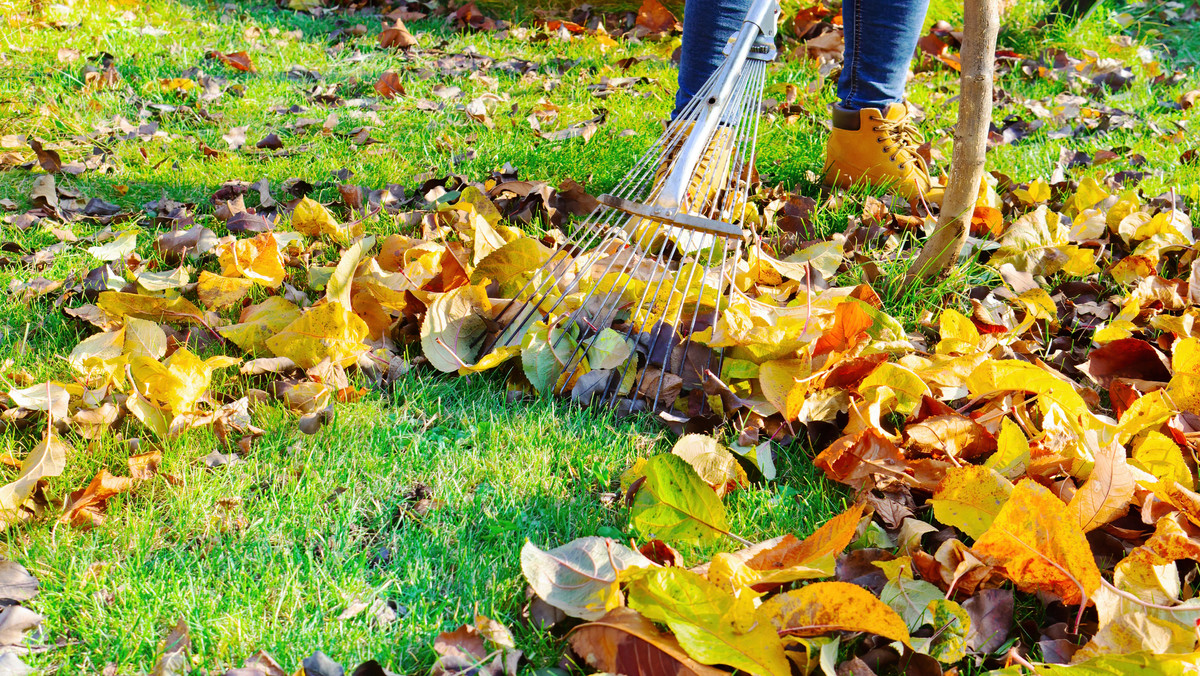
x,y
881,36
707,25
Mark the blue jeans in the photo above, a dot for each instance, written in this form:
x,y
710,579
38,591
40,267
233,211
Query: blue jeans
x,y
881,36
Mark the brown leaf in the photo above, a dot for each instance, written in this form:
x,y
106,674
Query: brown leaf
x,y
236,60
654,17
85,507
48,159
625,642
953,434
389,86
1126,358
396,36
174,661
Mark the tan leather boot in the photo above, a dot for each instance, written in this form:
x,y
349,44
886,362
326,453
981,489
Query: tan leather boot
x,y
876,147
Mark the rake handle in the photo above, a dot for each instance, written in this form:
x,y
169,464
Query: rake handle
x,y
760,22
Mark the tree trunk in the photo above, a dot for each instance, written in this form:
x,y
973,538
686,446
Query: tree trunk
x,y
981,22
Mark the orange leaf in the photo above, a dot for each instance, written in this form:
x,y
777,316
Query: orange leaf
x,y
854,458
826,543
1039,546
85,507
1108,491
850,324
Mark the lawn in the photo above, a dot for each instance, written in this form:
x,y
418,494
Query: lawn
x,y
419,496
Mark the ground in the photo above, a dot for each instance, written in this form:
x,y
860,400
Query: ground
x,y
421,496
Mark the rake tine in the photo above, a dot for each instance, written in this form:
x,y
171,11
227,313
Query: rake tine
x,y
581,350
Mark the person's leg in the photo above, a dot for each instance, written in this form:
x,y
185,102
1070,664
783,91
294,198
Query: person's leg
x,y
707,25
881,36
873,140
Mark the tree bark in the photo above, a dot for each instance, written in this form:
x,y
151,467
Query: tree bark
x,y
981,22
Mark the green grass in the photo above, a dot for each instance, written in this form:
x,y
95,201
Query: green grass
x,y
269,552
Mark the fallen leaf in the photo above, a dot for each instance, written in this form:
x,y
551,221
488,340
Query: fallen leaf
x,y
970,497
673,503
1039,546
624,642
580,577
819,608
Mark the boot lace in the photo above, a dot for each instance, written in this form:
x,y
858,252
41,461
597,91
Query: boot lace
x,y
902,137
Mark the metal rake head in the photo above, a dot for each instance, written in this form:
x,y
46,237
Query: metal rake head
x,y
615,308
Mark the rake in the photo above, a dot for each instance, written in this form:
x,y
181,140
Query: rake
x,y
653,263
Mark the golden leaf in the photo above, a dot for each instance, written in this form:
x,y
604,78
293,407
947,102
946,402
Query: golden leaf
x,y
219,292
823,607
260,322
326,331
1039,546
257,259
970,497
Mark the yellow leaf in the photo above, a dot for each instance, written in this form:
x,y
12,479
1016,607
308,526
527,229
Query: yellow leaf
x,y
256,258
178,383
154,308
714,463
260,322
1012,451
144,337
1136,631
1039,546
313,219
970,497
823,607
713,626
1159,455
959,334
784,384
337,289
1185,356
891,381
1037,192
326,331
219,292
